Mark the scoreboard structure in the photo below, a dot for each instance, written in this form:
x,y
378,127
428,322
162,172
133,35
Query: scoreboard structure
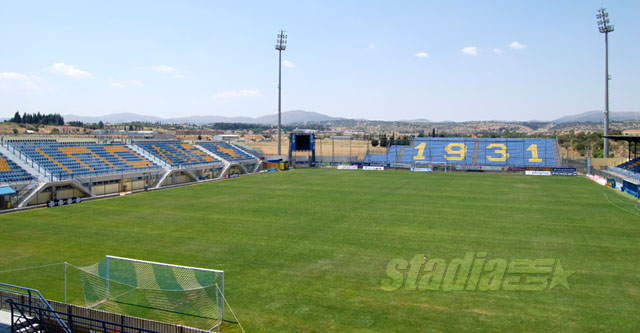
x,y
480,151
302,143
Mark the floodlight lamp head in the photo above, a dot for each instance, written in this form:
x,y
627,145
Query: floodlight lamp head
x,y
603,21
281,42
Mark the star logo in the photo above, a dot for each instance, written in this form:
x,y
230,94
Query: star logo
x,y
560,277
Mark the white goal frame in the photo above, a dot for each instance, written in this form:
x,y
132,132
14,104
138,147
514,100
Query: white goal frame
x,y
424,164
221,288
220,298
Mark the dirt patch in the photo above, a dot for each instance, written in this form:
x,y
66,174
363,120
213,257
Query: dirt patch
x,y
633,291
484,312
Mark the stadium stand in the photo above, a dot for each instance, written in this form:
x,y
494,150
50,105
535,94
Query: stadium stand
x,y
517,152
394,155
10,172
250,150
71,159
226,151
630,168
473,151
176,153
377,159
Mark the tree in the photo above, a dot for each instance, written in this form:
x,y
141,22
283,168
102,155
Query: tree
x,y
100,124
38,118
15,131
374,142
17,118
383,140
55,130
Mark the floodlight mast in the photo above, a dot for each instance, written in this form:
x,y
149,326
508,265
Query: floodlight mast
x,y
281,45
605,28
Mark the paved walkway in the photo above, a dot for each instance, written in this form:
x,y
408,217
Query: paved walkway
x,y
5,321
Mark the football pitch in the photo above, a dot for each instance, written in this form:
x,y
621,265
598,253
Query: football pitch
x,y
309,250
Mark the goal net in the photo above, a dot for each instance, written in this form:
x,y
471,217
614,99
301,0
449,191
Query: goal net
x,y
435,166
176,294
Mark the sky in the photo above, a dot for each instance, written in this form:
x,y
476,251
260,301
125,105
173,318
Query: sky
x,y
384,60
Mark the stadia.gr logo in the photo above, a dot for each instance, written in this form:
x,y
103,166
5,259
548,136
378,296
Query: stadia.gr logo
x,y
475,272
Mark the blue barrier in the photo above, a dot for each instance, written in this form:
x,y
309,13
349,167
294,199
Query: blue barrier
x,y
564,172
631,188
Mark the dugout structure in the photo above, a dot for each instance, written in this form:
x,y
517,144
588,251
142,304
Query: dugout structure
x,y
630,140
184,295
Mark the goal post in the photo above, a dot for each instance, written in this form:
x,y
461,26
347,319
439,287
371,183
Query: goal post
x,y
175,269
444,166
190,296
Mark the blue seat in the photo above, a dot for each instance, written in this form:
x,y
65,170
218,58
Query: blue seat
x,y
461,151
226,151
630,168
10,172
69,159
176,153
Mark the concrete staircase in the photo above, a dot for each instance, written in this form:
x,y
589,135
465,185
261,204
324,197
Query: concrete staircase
x,y
475,153
399,157
556,154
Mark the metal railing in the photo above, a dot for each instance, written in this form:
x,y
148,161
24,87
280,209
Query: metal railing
x,y
76,322
44,314
11,148
67,176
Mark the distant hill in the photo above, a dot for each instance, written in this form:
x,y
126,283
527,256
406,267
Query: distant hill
x,y
113,118
419,121
300,116
202,120
288,117
291,117
597,116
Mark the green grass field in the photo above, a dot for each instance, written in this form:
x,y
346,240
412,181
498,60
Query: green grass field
x,y
306,250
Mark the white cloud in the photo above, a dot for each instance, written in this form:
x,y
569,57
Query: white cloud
x,y
167,70
70,70
13,76
517,46
288,64
164,69
422,55
239,93
372,47
497,51
18,80
470,50
126,83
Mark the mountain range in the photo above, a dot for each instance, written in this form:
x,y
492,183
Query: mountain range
x,y
300,116
598,116
288,117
